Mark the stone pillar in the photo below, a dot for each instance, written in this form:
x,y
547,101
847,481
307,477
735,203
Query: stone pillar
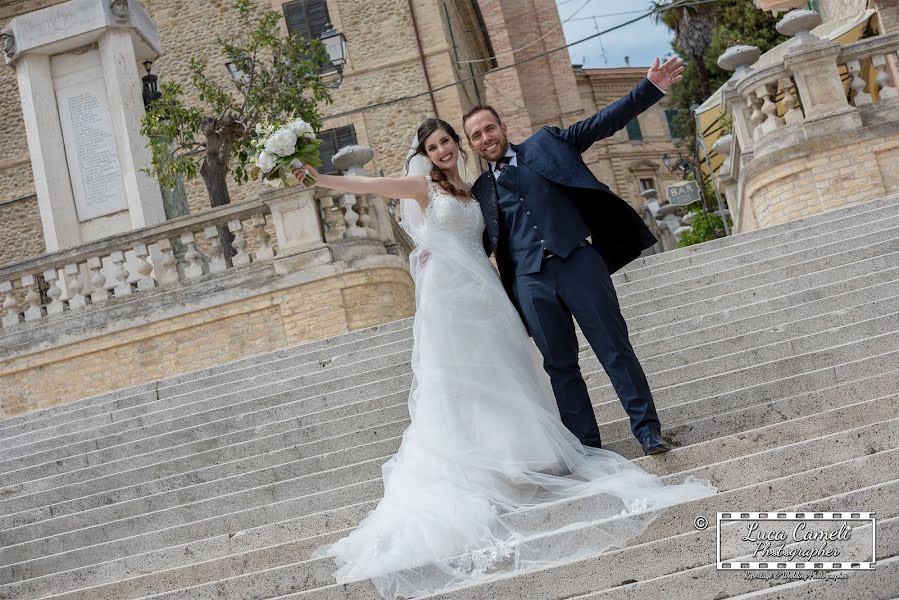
x,y
126,106
815,70
888,20
298,227
77,65
48,158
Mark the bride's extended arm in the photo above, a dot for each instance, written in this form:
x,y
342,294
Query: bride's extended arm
x,y
389,187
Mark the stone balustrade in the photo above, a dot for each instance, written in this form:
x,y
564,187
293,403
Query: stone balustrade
x,y
290,229
819,101
180,250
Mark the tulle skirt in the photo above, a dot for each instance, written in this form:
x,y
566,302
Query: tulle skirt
x,y
487,480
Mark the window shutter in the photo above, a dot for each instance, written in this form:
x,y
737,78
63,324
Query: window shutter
x,y
673,129
332,141
317,13
634,133
295,15
307,17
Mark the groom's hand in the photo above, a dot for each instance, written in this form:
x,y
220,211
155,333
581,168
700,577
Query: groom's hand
x,y
666,75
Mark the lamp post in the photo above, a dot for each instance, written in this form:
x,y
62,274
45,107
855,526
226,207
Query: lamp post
x,y
700,141
151,91
335,44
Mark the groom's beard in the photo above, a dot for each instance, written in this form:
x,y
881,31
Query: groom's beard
x,y
500,152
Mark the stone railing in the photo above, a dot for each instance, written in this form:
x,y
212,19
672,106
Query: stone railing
x,y
180,250
819,97
872,78
288,229
666,221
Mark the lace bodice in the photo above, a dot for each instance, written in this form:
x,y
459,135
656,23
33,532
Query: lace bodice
x,y
460,217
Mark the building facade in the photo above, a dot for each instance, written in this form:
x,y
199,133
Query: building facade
x,y
424,58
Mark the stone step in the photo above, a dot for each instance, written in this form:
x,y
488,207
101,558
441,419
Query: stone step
x,y
830,337
263,418
276,572
684,423
165,510
764,258
687,564
781,279
135,404
714,449
772,235
715,584
647,349
730,476
110,428
144,390
880,585
138,391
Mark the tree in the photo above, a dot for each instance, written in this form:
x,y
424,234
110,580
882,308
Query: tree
x,y
279,81
702,33
692,27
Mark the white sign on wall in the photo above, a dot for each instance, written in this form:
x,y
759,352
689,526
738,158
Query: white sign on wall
x,y
90,146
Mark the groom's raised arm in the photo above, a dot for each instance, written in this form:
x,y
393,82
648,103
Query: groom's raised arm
x,y
612,118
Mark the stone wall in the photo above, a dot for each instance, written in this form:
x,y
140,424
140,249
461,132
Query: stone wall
x,y
541,91
383,65
820,175
204,337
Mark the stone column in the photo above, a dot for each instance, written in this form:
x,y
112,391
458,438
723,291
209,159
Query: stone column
x,y
77,65
127,108
815,70
295,216
48,157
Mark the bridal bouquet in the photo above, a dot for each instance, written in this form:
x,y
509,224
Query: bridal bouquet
x,y
280,146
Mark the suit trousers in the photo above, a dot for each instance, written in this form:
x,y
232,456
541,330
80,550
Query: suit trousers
x,y
580,286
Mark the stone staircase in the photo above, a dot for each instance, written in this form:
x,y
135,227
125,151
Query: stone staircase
x,y
774,357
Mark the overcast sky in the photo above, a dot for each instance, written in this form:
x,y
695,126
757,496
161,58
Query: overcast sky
x,y
641,41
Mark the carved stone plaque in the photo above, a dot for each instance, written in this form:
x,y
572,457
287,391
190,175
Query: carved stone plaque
x,y
91,149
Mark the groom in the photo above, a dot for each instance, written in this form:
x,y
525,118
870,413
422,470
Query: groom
x,y
558,234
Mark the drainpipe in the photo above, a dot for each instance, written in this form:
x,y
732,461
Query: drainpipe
x,y
421,54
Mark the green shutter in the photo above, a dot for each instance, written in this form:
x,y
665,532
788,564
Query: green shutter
x,y
634,133
673,129
332,141
307,17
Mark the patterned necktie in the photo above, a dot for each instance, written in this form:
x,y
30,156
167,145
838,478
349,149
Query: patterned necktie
x,y
502,163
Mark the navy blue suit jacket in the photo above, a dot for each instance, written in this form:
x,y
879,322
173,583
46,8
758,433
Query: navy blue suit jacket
x,y
552,157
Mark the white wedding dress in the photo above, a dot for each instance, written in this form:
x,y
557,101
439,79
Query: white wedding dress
x,y
487,480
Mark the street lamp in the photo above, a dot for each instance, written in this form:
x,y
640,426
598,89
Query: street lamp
x,y
239,78
335,44
682,164
151,91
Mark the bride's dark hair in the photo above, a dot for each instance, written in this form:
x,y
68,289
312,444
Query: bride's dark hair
x,y
437,175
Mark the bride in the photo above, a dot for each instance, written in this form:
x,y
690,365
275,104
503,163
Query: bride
x,y
487,481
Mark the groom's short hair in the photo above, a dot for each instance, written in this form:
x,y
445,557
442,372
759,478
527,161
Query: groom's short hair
x,y
476,109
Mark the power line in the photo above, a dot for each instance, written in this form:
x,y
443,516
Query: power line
x,y
528,45
523,61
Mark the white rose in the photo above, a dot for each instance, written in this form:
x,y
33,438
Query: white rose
x,y
275,183
265,161
283,142
301,128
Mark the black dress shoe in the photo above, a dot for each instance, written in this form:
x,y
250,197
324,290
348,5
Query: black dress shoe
x,y
654,444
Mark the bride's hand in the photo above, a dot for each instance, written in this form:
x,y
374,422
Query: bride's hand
x,y
301,172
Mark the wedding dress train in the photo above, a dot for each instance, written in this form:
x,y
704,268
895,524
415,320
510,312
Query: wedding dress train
x,y
487,481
